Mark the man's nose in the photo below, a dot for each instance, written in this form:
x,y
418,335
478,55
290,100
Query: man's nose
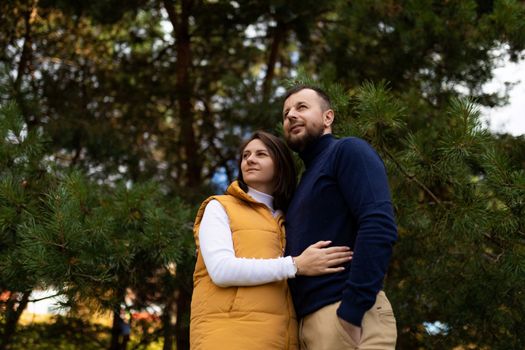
x,y
292,114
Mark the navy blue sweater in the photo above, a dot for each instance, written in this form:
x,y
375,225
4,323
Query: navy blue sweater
x,y
343,196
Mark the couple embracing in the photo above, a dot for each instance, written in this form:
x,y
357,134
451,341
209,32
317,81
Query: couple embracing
x,y
281,266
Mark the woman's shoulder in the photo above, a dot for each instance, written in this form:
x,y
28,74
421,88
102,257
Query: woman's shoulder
x,y
217,203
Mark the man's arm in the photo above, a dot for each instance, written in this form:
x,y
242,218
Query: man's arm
x,y
362,178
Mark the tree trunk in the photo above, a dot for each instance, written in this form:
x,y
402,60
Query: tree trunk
x,y
14,309
278,36
116,327
182,327
183,88
23,63
115,331
26,51
168,329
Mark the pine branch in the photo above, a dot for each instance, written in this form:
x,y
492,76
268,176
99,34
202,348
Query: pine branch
x,y
494,240
493,257
44,298
411,177
92,278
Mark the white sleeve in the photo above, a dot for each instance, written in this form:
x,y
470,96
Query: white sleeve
x,y
224,268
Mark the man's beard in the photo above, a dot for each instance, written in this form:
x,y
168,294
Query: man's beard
x,y
300,143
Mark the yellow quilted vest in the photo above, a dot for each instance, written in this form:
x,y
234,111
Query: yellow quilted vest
x,y
243,318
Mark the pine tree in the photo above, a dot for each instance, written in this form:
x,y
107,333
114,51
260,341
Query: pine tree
x,y
122,97
91,242
23,181
457,277
95,244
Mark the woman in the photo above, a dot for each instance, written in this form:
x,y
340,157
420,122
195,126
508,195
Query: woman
x,y
241,298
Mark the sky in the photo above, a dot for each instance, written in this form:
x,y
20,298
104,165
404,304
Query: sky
x,y
510,118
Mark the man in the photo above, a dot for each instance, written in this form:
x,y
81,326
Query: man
x,y
343,196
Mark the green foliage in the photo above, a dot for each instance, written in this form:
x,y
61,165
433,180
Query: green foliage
x,y
87,240
125,106
69,333
22,178
62,333
335,91
379,113
460,208
95,241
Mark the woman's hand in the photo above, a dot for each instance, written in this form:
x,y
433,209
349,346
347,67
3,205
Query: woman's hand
x,y
319,260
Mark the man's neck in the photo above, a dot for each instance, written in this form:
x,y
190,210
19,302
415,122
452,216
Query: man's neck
x,y
314,148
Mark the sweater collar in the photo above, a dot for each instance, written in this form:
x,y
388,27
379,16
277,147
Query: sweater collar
x,y
261,197
252,196
313,149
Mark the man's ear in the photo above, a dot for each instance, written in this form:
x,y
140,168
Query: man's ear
x,y
328,118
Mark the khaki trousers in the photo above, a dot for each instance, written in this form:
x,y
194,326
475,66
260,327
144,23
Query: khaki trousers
x,y
321,330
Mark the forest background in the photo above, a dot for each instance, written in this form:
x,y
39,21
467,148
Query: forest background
x,y
118,117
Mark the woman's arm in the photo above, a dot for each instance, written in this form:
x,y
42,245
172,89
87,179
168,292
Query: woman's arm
x,y
225,269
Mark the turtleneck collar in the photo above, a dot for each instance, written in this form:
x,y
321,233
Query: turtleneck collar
x,y
253,196
261,197
312,150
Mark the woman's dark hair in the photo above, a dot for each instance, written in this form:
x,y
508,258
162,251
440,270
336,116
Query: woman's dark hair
x,y
286,176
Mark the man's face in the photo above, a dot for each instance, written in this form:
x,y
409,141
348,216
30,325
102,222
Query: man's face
x,y
304,120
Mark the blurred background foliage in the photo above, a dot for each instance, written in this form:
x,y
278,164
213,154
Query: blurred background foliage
x,y
118,117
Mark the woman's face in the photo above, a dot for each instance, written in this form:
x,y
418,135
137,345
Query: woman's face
x,y
257,166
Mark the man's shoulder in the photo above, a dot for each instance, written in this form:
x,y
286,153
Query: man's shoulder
x,y
352,145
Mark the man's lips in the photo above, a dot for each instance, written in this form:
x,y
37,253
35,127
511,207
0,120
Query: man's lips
x,y
295,127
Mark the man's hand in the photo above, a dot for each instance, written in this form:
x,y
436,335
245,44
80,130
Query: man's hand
x,y
353,331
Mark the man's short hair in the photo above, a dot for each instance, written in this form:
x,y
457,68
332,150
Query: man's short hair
x,y
326,102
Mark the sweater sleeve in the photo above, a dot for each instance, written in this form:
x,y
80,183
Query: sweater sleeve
x,y
224,268
362,178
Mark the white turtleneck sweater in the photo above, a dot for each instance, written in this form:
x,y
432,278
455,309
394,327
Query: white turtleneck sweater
x,y
224,268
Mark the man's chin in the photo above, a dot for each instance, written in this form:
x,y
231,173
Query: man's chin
x,y
296,143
